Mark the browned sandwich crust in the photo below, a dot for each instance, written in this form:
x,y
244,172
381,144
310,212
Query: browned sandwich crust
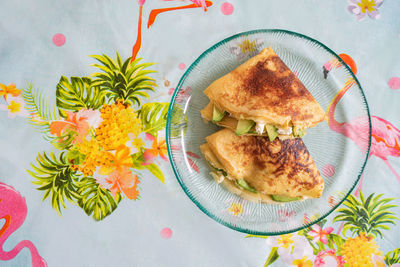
x,y
281,167
265,90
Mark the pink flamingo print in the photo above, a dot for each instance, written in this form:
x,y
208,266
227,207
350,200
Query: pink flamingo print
x,y
334,63
385,136
13,210
152,17
196,3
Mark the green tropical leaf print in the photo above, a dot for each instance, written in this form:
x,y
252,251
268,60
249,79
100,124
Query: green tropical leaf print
x,y
138,159
153,117
335,240
64,141
77,94
392,257
55,177
41,109
126,81
96,201
273,256
179,121
369,216
156,171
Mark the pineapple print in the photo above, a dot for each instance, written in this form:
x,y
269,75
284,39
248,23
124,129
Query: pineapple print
x,y
364,218
358,251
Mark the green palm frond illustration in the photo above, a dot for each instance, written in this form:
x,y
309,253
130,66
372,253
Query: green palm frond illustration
x,y
96,201
41,109
368,216
77,94
154,117
126,81
55,177
392,257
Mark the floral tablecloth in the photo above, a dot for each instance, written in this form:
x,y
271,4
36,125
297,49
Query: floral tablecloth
x,y
84,92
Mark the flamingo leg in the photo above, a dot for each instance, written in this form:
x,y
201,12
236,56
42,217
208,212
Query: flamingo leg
x,y
392,169
37,260
359,187
136,47
6,224
155,12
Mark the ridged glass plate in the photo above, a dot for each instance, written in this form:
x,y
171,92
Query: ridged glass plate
x,y
339,146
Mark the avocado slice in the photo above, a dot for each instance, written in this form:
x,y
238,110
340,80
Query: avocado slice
x,y
221,170
272,132
280,198
217,114
300,133
244,126
243,184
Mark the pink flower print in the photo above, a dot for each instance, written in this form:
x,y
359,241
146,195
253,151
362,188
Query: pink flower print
x,y
328,258
284,215
183,95
360,8
319,234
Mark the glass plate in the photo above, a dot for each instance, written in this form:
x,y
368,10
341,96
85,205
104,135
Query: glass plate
x,y
340,149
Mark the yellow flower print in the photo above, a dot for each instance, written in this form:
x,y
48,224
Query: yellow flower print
x,y
361,8
285,240
367,5
14,107
236,209
303,262
247,46
11,89
138,143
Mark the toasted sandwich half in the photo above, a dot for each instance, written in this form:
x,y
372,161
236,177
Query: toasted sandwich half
x,y
262,170
262,97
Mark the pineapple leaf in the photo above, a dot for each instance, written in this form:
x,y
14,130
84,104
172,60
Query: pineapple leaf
x,y
367,215
392,257
42,110
55,177
96,201
153,117
380,215
376,232
336,240
122,80
77,94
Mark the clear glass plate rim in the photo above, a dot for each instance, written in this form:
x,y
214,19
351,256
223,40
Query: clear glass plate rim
x,y
168,124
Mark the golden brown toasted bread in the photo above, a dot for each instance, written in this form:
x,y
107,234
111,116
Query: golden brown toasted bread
x,y
264,90
281,167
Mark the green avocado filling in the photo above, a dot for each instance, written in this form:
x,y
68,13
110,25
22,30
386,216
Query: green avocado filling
x,y
217,114
279,198
244,126
298,132
221,171
247,126
272,132
243,184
